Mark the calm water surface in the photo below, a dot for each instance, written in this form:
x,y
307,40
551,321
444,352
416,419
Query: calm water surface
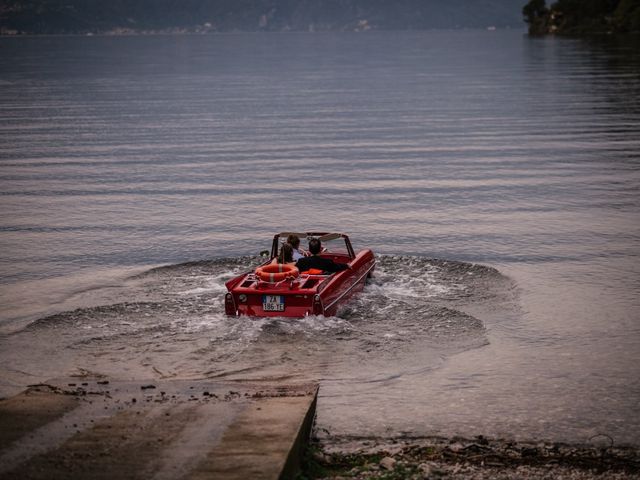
x,y
496,175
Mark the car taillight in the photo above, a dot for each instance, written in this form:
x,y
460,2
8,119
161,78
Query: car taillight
x,y
317,305
229,305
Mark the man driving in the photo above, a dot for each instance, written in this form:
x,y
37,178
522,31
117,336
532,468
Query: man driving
x,y
315,261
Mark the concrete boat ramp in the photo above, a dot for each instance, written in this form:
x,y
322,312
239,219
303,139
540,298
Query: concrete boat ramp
x,y
94,428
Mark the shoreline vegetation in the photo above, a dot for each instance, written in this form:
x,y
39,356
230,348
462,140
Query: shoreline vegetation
x,y
131,17
582,17
467,459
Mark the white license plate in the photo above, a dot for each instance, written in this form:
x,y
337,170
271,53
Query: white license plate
x,y
273,303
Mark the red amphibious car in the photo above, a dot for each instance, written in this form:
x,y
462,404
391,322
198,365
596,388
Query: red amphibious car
x,y
283,291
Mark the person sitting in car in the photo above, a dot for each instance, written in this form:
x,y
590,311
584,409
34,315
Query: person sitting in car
x,y
316,262
294,241
285,256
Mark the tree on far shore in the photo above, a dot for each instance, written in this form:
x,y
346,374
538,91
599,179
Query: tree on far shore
x,y
536,14
626,18
582,16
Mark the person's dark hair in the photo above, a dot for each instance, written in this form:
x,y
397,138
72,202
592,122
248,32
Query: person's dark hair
x,y
293,240
315,246
286,253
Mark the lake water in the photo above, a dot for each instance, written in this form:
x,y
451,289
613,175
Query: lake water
x,y
497,177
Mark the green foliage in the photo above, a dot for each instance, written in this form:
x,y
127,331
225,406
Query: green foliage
x,y
583,16
356,465
626,17
535,9
536,15
312,468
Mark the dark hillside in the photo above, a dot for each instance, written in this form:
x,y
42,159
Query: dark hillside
x,y
147,16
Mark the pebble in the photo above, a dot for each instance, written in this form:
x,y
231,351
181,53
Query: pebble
x,y
429,468
321,457
456,447
388,463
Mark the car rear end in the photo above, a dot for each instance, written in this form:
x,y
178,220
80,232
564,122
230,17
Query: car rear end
x,y
253,297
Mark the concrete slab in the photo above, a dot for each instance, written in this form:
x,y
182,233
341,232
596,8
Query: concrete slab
x,y
95,428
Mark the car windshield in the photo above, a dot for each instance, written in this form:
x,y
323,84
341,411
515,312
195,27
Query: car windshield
x,y
332,242
334,245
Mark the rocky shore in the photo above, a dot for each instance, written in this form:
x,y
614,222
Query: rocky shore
x,y
479,458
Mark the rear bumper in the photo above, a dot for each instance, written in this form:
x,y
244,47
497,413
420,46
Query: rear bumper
x,y
291,312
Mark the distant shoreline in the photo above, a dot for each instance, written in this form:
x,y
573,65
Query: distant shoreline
x,y
209,16
250,32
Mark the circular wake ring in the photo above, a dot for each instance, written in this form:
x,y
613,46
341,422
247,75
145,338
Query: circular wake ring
x,y
276,273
